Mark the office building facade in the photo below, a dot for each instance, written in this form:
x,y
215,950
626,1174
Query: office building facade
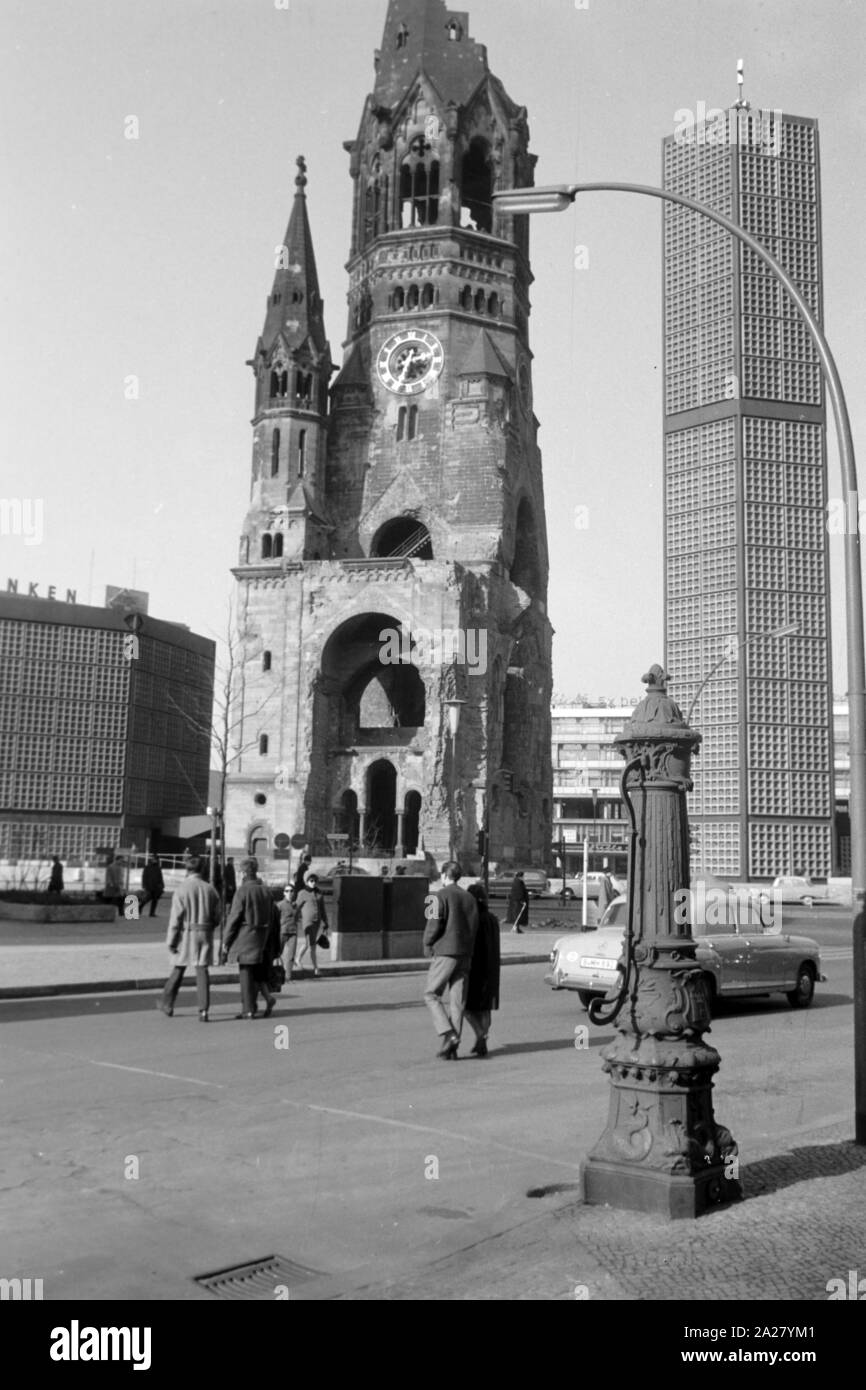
x,y
104,728
745,494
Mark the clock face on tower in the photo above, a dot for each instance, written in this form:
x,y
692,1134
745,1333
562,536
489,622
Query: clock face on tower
x,y
410,361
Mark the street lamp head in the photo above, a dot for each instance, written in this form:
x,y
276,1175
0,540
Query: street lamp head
x,y
453,707
554,198
789,630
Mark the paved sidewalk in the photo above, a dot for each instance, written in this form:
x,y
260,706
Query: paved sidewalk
x,y
801,1225
50,969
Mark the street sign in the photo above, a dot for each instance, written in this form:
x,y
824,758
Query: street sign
x,y
281,841
298,841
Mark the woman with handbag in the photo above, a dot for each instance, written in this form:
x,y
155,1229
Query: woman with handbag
x,y
313,919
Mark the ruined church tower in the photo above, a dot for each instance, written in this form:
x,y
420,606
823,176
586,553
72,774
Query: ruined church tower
x,y
396,676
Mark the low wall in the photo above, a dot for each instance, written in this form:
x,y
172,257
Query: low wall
x,y
57,912
378,918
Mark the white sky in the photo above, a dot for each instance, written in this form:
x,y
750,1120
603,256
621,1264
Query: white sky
x,y
153,257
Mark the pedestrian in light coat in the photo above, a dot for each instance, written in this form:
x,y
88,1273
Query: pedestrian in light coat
x,y
195,912
482,993
249,924
452,924
312,919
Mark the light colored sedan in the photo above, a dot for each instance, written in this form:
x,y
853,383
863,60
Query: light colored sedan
x,y
795,888
739,957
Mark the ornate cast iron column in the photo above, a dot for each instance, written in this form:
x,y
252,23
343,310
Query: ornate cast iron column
x,y
662,1150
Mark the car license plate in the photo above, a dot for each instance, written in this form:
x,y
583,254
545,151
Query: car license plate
x,y
593,963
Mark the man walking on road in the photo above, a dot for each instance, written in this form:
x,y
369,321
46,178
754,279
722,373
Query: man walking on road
x,y
250,922
153,884
452,922
195,911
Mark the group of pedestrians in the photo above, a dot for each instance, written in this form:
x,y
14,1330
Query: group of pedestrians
x,y
461,936
258,931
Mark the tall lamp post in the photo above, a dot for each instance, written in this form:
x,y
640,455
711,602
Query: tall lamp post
x,y
789,630
557,198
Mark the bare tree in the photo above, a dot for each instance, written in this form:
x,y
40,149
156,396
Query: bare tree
x,y
228,724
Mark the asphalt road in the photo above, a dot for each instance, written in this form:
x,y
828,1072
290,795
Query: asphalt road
x,y
138,1152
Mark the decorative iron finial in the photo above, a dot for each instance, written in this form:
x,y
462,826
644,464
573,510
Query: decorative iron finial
x,y
301,178
656,679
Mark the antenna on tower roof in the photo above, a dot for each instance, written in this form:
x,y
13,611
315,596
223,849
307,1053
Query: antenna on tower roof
x,y
740,102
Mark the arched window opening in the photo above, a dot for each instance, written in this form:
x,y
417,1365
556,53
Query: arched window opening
x,y
454,30
278,545
466,297
263,744
411,822
480,301
302,452
401,424
427,297
413,422
304,386
493,305
381,807
297,296
267,546
279,382
412,297
266,661
398,298
275,453
376,203
525,567
276,299
402,538
419,186
402,36
477,187
348,820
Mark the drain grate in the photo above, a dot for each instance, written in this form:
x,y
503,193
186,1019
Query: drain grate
x,y
260,1279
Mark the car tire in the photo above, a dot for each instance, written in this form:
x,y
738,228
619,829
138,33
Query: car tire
x,y
712,994
802,996
567,895
586,997
808,902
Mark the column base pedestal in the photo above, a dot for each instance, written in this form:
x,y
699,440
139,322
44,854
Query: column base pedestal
x,y
678,1196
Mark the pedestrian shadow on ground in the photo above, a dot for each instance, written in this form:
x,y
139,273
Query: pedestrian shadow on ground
x,y
552,1045
225,998
800,1165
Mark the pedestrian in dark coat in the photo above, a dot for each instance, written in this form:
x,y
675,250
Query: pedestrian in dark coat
x,y
55,882
518,903
153,884
249,923
452,923
230,881
482,994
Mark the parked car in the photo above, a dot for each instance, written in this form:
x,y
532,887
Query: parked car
x,y
739,956
599,887
499,885
795,888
